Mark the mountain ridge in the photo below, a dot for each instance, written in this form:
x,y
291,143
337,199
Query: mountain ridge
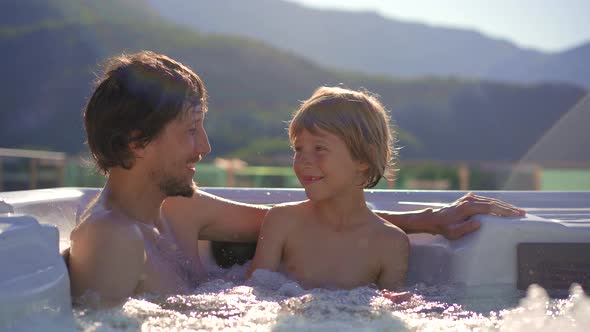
x,y
369,42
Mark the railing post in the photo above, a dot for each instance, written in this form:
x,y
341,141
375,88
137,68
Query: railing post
x,y
538,174
463,177
34,173
61,172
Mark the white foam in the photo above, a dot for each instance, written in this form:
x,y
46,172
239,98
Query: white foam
x,y
537,312
269,301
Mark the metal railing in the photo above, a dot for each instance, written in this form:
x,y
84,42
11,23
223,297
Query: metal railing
x,y
36,161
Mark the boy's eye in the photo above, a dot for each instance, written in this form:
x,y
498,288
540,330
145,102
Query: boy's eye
x,y
192,131
320,148
297,148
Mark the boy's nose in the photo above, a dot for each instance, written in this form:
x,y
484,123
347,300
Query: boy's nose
x,y
306,159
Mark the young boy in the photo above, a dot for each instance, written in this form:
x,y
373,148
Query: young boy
x,y
342,144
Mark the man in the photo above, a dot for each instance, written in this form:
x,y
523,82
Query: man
x,y
144,125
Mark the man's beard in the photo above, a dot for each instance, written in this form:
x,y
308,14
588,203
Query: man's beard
x,y
171,186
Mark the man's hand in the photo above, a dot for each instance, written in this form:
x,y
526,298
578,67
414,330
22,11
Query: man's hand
x,y
453,221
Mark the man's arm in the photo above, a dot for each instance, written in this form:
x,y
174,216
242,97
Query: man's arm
x,y
221,219
269,250
106,259
217,218
451,221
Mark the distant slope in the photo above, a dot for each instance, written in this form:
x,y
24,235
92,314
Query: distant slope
x,y
569,66
51,52
370,43
34,12
48,66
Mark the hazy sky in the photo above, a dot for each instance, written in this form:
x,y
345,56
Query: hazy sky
x,y
549,25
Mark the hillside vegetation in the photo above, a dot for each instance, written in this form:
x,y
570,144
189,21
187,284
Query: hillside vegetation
x,y
51,52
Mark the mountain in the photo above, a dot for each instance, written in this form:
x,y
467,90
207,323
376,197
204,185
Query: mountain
x,y
50,56
569,66
51,51
370,43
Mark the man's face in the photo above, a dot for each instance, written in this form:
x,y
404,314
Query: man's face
x,y
175,153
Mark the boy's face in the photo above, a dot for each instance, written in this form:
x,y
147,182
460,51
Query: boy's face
x,y
175,152
324,166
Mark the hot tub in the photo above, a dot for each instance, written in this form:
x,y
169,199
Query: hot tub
x,y
550,246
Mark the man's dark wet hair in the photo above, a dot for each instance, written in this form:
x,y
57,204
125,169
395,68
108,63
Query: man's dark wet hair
x,y
136,97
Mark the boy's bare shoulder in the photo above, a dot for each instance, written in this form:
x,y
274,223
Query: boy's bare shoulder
x,y
285,214
289,210
387,232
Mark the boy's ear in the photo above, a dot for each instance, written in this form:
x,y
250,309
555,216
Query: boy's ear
x,y
372,152
362,170
362,166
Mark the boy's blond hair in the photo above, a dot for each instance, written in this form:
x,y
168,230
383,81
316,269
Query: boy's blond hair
x,y
358,118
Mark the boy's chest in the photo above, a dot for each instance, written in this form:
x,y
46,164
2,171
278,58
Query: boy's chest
x,y
331,260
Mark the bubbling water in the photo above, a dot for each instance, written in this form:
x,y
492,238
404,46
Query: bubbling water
x,y
269,301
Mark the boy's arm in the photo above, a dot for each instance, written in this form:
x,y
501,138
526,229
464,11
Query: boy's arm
x,y
451,221
269,250
106,259
394,267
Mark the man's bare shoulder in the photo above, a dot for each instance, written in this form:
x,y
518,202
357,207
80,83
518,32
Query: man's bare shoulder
x,y
182,203
199,200
107,254
101,227
199,208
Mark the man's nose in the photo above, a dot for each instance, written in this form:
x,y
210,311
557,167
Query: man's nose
x,y
202,145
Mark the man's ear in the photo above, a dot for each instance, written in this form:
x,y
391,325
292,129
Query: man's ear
x,y
135,145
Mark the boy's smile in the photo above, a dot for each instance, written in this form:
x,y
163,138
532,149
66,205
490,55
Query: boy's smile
x,y
307,180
